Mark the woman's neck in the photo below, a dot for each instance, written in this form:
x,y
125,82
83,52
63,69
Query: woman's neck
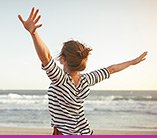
x,y
71,72
75,75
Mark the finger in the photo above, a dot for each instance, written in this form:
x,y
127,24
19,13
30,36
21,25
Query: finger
x,y
31,14
37,19
143,59
143,55
34,15
21,19
38,26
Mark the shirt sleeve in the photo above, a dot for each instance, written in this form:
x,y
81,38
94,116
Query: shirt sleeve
x,y
54,72
97,76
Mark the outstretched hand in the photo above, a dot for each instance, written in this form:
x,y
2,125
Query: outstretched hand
x,y
139,59
118,67
31,23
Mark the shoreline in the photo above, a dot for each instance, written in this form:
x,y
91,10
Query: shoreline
x,y
47,131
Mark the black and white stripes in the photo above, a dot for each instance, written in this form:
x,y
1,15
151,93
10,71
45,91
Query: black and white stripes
x,y
66,101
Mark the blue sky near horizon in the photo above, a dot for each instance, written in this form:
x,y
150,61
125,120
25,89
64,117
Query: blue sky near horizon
x,y
116,30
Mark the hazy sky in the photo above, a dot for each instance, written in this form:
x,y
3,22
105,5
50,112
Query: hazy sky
x,y
116,30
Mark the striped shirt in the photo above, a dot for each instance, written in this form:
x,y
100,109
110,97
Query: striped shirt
x,y
66,100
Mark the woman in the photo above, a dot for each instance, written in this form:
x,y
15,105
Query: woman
x,y
69,88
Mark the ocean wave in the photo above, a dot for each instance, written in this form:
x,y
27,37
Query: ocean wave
x,y
129,98
24,101
143,127
95,100
133,98
16,98
131,111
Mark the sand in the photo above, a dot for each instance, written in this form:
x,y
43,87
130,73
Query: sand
x,y
47,131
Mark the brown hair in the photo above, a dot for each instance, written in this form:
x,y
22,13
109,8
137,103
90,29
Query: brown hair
x,y
75,54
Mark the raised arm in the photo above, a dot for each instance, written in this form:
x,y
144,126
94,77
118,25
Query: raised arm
x,y
31,26
118,67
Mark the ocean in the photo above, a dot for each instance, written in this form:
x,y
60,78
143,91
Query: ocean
x,y
105,110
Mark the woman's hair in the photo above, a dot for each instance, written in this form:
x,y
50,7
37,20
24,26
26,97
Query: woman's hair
x,y
75,54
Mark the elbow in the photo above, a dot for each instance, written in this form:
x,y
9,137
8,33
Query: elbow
x,y
46,59
112,69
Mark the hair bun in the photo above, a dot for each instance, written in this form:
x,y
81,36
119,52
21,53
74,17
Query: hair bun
x,y
84,54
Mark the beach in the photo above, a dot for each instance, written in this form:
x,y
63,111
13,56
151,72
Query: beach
x,y
47,131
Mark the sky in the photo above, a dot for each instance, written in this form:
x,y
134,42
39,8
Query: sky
x,y
116,30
